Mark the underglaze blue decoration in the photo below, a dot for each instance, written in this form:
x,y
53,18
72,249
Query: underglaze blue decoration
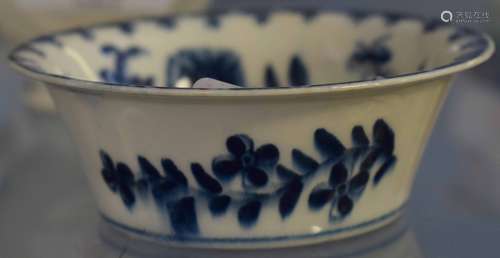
x,y
249,213
370,60
304,162
50,40
261,17
194,64
85,33
389,162
297,72
351,169
474,43
393,18
270,78
323,178
164,188
254,167
471,48
358,15
204,180
460,33
172,172
252,164
126,27
183,216
219,204
213,21
119,73
309,14
171,193
119,179
466,56
433,24
291,194
349,172
166,22
328,145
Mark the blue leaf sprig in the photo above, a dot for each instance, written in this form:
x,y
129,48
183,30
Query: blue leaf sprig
x,y
264,181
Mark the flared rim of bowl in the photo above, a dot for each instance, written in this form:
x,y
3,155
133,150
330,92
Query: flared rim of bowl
x,y
481,55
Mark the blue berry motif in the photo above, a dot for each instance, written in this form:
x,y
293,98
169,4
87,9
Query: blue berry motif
x,y
350,170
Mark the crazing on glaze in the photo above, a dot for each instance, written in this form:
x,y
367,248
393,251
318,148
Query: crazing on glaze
x,y
263,178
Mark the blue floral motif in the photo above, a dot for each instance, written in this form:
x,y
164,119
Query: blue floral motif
x,y
253,165
119,73
349,172
370,60
342,188
194,64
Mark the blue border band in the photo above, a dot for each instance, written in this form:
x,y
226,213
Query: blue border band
x,y
177,238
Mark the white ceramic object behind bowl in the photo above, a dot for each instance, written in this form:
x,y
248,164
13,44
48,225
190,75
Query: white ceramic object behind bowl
x,y
244,167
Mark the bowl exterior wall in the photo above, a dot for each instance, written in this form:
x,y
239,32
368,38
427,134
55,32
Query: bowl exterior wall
x,y
315,136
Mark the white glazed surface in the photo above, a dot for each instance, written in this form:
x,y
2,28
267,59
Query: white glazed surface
x,y
195,130
192,125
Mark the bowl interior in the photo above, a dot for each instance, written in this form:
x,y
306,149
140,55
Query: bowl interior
x,y
279,49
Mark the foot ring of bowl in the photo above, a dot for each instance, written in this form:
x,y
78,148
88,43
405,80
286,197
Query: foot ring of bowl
x,y
257,242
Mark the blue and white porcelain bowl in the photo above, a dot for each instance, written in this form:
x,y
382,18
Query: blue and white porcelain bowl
x,y
243,130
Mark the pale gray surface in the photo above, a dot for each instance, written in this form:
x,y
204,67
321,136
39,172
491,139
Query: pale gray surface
x,y
46,209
